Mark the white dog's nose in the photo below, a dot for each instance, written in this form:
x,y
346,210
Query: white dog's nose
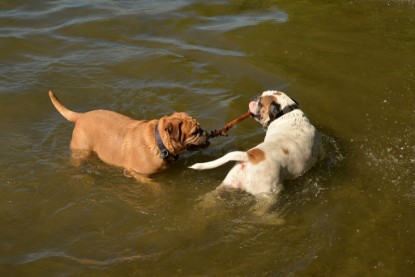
x,y
252,107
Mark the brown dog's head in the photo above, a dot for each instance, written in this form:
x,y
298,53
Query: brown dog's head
x,y
182,133
271,105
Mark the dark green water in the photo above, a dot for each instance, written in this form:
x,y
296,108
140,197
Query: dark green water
x,y
350,64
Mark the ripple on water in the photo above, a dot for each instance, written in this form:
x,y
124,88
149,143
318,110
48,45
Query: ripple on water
x,y
229,23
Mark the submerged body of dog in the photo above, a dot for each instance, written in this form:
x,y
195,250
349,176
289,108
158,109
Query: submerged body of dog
x,y
291,146
141,147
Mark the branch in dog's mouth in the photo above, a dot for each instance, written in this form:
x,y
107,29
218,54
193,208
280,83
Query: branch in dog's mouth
x,y
224,131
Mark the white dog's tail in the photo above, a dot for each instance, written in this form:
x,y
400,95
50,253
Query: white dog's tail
x,y
66,113
238,156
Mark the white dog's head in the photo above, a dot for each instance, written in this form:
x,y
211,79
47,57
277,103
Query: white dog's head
x,y
271,105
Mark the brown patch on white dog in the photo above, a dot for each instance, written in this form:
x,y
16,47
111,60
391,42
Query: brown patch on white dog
x,y
266,102
256,155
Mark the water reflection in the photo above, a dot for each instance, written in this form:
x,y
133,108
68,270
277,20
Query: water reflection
x,y
228,23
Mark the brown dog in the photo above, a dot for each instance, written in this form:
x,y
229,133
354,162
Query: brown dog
x,y
140,146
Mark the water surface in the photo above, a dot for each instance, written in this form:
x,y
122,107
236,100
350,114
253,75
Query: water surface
x,y
350,64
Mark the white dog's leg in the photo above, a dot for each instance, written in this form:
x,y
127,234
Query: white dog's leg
x,y
263,212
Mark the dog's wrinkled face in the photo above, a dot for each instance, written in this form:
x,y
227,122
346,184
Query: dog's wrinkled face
x,y
265,108
183,133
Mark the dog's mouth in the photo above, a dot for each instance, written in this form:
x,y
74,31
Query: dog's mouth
x,y
194,147
201,142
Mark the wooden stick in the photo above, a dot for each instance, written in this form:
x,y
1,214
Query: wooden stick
x,y
224,130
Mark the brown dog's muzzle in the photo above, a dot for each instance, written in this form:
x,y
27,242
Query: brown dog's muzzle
x,y
199,141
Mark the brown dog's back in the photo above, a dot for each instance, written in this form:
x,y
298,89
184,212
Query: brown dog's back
x,y
115,138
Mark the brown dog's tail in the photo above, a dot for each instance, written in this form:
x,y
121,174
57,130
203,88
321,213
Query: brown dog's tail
x,y
68,114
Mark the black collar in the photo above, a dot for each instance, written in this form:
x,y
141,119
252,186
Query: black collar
x,y
164,153
284,111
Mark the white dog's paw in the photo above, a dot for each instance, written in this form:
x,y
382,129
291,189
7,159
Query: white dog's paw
x,y
196,166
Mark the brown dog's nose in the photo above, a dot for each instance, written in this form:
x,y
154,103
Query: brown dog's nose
x,y
206,138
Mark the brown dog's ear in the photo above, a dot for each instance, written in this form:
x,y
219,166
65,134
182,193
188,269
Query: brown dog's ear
x,y
169,128
174,130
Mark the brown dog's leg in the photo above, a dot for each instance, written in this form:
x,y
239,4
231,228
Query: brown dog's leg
x,y
78,156
150,183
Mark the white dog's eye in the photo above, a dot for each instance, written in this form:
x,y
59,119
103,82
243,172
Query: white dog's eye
x,y
260,103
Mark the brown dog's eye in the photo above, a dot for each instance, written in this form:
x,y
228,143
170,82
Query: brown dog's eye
x,y
169,128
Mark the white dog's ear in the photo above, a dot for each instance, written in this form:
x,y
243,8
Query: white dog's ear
x,y
274,110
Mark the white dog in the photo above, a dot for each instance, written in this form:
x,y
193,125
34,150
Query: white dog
x,y
291,146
